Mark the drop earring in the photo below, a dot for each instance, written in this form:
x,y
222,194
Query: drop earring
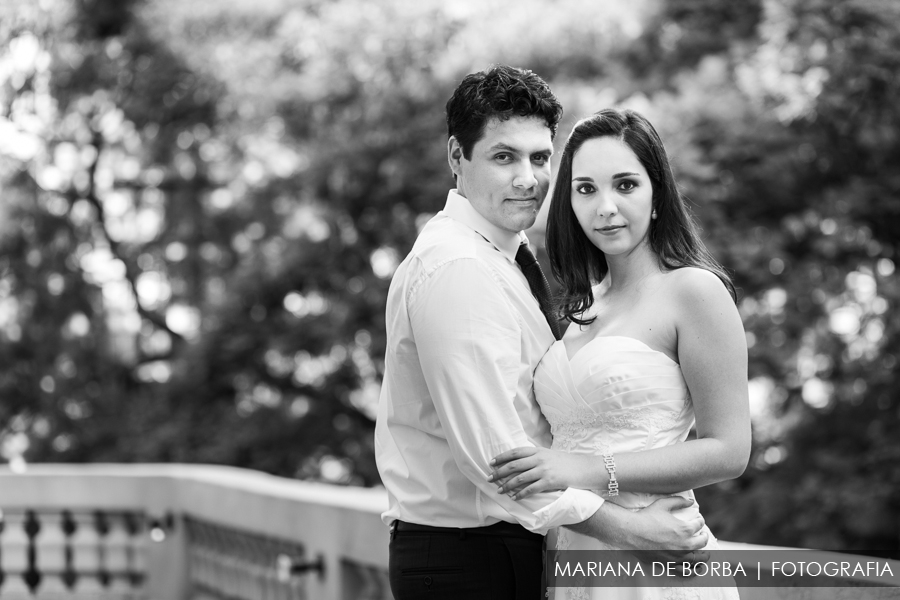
x,y
653,214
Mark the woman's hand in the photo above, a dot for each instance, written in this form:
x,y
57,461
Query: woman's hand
x,y
522,472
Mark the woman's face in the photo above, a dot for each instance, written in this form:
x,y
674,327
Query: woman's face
x,y
612,196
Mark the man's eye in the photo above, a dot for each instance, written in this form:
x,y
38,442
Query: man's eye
x,y
540,159
503,157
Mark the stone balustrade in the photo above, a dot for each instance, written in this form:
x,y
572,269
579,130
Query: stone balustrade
x,y
195,532
187,532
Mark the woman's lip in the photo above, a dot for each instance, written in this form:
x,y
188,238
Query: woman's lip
x,y
610,228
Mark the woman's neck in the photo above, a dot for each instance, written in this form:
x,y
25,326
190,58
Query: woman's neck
x,y
627,271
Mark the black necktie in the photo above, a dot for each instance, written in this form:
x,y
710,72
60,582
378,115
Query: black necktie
x,y
538,284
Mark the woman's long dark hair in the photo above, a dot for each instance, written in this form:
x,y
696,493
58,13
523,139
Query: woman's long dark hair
x,y
576,262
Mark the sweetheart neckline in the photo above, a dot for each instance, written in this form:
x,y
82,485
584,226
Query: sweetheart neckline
x,y
608,337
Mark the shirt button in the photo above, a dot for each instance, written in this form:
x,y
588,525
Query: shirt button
x,y
428,580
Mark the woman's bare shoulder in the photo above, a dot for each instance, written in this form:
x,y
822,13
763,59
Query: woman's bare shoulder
x,y
694,283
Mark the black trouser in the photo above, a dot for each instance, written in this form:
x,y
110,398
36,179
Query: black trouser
x,y
497,562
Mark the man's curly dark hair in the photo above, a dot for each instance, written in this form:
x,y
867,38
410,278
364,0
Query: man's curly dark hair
x,y
499,92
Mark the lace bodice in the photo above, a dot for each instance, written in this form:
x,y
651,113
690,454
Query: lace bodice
x,y
615,394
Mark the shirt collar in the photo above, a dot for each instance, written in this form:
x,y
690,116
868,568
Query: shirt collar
x,y
461,210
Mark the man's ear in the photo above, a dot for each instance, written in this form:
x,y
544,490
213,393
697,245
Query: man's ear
x,y
454,155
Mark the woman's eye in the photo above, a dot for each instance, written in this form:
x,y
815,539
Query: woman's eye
x,y
627,185
584,188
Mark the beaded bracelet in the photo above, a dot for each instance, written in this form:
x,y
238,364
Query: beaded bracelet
x,y
613,488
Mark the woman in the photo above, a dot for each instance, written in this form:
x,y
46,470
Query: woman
x,y
657,341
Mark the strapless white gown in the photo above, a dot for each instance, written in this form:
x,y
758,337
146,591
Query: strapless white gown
x,y
616,395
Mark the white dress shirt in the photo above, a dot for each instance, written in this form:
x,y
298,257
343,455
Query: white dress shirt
x,y
464,335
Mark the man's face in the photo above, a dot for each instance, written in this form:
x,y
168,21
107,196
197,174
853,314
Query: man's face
x,y
508,175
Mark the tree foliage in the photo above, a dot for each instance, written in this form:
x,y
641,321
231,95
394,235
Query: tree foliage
x,y
202,205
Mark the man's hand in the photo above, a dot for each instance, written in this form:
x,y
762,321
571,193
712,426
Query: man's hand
x,y
669,538
524,471
654,531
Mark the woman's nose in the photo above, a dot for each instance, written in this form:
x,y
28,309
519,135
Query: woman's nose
x,y
605,205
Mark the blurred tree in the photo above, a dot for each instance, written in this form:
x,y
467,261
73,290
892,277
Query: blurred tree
x,y
201,263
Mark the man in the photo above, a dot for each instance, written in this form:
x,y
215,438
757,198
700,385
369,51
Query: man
x,y
465,333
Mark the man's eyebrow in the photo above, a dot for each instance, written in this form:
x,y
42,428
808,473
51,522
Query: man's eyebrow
x,y
508,148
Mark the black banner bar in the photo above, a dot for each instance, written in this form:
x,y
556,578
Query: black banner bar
x,y
724,568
